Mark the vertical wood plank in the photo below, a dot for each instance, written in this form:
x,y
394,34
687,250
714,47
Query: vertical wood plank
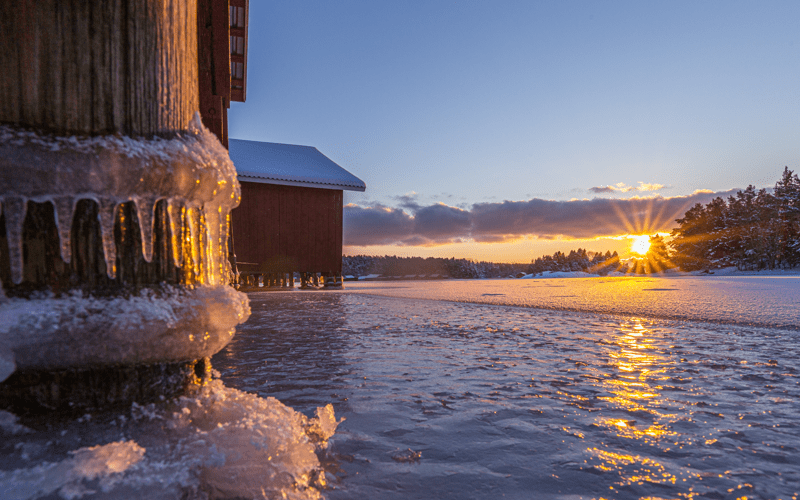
x,y
302,231
289,228
338,208
58,74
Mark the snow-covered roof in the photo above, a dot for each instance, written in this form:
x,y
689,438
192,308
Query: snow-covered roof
x,y
289,165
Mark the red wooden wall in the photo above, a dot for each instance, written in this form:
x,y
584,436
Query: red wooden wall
x,y
288,229
213,64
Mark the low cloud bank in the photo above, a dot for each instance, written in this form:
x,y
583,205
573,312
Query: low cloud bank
x,y
440,224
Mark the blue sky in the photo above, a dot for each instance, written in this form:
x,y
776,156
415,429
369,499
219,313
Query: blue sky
x,y
472,104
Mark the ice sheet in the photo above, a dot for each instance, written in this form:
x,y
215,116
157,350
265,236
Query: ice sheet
x,y
770,301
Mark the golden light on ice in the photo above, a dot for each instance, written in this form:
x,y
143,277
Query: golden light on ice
x,y
641,244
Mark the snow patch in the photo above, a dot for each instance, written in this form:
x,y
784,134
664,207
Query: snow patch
x,y
9,424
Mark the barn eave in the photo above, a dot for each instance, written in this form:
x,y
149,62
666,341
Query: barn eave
x,y
300,183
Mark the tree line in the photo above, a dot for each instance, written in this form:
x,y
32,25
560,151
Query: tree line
x,y
753,230
363,265
575,260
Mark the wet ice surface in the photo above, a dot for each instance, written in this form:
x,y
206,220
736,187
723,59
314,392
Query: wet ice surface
x,y
462,400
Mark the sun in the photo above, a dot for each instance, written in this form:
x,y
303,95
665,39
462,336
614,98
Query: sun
x,y
641,244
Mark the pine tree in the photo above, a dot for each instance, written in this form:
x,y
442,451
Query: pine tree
x,y
753,230
658,257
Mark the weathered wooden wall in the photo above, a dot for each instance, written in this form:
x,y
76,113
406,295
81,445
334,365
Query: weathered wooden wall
x,y
288,229
94,67
214,66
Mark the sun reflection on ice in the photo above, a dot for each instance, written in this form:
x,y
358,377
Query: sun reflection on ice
x,y
633,380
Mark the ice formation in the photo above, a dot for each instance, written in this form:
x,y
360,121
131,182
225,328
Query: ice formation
x,y
191,171
219,443
154,325
194,175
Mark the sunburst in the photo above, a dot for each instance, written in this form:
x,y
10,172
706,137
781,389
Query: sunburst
x,y
641,244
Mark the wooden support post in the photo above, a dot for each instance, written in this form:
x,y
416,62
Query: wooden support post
x,y
89,68
99,66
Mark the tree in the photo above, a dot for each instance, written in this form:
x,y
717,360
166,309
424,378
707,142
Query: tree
x,y
752,230
658,257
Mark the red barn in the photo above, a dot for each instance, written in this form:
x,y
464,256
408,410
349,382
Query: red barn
x,y
290,217
221,60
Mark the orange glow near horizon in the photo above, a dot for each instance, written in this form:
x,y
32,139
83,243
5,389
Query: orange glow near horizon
x,y
522,250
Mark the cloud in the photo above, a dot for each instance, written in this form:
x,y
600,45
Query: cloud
x,y
510,220
440,223
581,218
375,225
621,187
432,225
602,189
408,201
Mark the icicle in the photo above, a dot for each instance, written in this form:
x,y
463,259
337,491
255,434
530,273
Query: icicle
x,y
15,210
206,245
175,217
192,217
213,228
227,272
65,209
107,211
145,210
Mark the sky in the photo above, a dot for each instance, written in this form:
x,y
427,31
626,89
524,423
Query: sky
x,y
504,131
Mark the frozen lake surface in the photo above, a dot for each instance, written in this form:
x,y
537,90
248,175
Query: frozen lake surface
x,y
450,392
660,388
748,300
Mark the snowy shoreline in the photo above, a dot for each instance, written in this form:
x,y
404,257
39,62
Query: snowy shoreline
x,y
670,273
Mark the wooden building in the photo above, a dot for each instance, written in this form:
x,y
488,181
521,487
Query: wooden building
x,y
290,216
222,60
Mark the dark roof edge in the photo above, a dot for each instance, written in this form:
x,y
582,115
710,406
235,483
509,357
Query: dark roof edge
x,y
244,177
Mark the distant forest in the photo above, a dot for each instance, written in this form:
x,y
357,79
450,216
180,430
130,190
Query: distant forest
x,y
575,260
363,265
754,230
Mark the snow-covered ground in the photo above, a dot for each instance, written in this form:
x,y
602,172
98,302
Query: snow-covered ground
x,y
763,300
732,271
726,271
